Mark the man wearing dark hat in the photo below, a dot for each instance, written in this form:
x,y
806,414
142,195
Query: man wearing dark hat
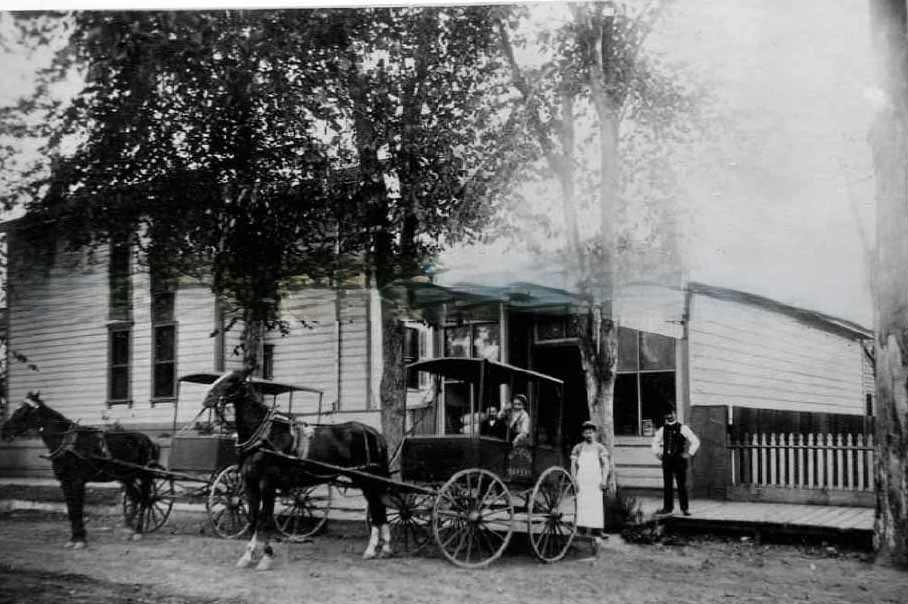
x,y
674,444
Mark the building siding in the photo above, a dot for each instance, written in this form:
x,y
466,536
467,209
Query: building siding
x,y
742,355
327,348
59,321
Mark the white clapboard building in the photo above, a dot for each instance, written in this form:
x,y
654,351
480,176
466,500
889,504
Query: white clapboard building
x,y
104,343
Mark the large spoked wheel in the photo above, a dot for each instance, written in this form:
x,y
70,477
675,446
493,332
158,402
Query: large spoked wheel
x,y
552,514
301,512
146,513
410,519
228,513
473,518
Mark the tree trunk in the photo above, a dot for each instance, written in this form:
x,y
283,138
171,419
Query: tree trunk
x,y
890,156
599,356
393,392
252,337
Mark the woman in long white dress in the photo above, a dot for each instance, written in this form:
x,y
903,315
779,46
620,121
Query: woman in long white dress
x,y
590,467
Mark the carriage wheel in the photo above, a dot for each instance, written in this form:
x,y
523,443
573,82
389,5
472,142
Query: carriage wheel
x,y
552,514
302,511
149,515
410,519
226,504
473,518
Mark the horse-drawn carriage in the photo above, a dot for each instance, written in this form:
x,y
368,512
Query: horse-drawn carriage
x,y
478,490
469,491
203,467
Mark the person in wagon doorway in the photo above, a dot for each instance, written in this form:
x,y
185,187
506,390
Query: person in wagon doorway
x,y
590,468
518,420
674,444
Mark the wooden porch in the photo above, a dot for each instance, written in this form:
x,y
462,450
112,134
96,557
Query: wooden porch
x,y
769,519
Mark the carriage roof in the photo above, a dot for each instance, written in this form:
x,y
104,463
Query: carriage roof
x,y
468,370
266,387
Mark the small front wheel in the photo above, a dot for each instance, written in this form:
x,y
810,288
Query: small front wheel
x,y
228,513
301,512
147,512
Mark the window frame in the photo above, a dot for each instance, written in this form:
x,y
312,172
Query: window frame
x,y
114,328
267,361
638,372
160,287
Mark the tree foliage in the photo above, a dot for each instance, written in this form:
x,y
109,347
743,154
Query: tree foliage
x,y
259,147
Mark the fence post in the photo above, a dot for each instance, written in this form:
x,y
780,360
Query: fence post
x,y
829,453
790,480
810,460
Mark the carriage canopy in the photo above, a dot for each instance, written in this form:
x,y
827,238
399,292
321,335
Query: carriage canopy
x,y
470,370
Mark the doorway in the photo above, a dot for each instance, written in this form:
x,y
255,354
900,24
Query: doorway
x,y
563,362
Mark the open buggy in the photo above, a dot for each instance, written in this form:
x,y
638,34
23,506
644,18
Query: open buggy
x,y
202,467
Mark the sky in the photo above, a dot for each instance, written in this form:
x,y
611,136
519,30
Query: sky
x,y
778,205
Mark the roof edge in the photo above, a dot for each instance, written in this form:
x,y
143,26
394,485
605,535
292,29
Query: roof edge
x,y
804,315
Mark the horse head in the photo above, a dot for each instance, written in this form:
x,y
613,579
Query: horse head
x,y
24,418
225,390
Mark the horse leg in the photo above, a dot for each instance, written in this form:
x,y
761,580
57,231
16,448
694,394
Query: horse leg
x,y
74,495
266,518
253,498
379,528
144,497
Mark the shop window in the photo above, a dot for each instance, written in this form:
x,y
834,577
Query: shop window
x,y
645,384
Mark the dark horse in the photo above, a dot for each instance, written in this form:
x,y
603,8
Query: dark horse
x,y
80,455
270,446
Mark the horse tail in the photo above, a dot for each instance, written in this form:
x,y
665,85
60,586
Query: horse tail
x,y
377,450
154,451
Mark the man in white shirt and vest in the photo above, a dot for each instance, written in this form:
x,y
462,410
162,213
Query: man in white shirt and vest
x,y
674,444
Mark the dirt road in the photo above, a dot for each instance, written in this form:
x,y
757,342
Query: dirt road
x,y
180,565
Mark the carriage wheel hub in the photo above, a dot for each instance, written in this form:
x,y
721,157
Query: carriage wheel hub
x,y
474,516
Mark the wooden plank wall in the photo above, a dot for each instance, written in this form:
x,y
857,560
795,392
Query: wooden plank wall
x,y
745,356
328,348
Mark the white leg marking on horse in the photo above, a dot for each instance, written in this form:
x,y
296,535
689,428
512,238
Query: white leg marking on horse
x,y
265,563
373,543
248,558
69,544
386,540
136,536
78,545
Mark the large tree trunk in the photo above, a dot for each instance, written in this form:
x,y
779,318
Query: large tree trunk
x,y
599,355
393,383
890,154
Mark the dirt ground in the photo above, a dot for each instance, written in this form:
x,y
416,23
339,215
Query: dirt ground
x,y
181,564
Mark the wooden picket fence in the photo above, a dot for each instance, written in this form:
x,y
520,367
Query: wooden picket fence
x,y
808,461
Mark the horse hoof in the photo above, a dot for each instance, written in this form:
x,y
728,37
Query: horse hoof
x,y
78,545
245,562
69,544
386,553
136,536
265,563
368,555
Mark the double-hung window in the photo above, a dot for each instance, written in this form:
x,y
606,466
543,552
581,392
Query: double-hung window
x,y
164,339
119,335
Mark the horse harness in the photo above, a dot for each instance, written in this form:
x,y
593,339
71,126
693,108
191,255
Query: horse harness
x,y
98,448
301,432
